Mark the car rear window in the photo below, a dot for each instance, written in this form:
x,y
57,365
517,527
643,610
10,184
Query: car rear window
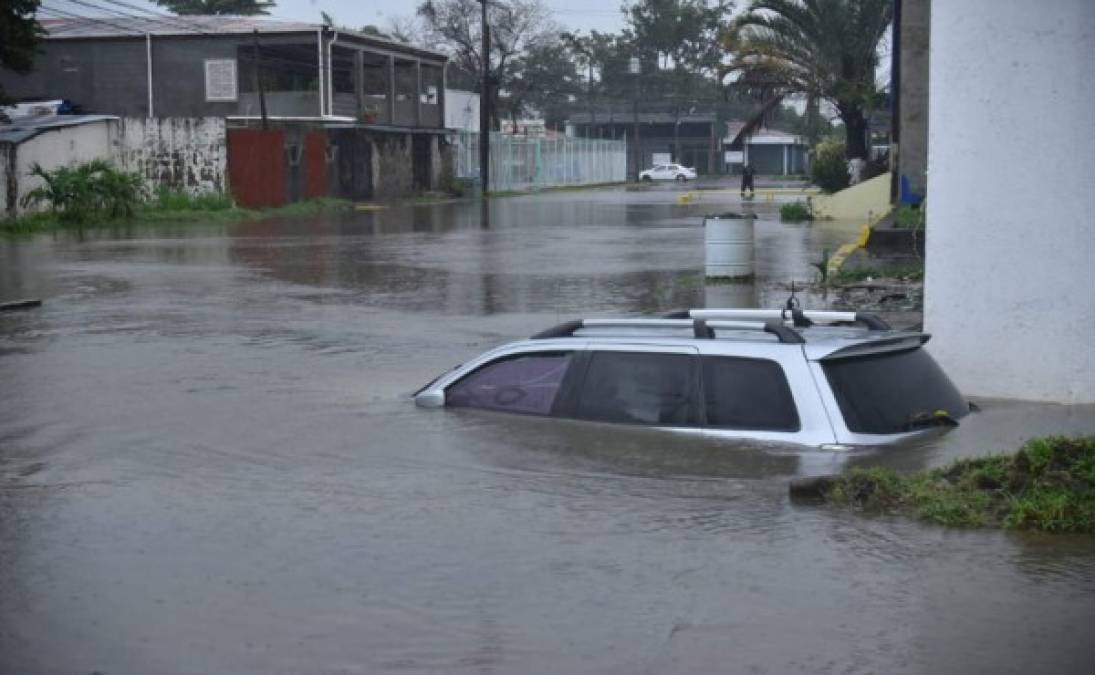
x,y
748,394
524,384
892,392
640,388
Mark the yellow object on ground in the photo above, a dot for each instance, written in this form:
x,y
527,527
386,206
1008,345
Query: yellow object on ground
x,y
369,207
842,253
866,201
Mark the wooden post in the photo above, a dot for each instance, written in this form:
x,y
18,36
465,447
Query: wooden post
x,y
391,90
258,83
418,93
359,83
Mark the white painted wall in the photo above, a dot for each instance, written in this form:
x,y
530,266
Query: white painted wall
x,y
64,146
187,153
1011,197
461,110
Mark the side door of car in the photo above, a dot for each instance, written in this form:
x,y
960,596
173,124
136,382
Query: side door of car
x,y
763,392
649,385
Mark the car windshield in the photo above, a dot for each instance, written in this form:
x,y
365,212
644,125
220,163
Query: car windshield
x,y
893,392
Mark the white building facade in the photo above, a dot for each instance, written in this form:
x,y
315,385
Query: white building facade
x,y
1011,230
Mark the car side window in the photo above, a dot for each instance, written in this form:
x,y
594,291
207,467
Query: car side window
x,y
526,383
659,167
640,388
674,167
745,393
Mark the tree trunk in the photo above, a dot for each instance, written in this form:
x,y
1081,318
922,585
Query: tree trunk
x,y
812,114
855,129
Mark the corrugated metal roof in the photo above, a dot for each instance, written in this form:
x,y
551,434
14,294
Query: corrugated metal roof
x,y
25,128
89,27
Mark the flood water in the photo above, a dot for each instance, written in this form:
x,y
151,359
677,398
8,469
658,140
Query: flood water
x,y
209,463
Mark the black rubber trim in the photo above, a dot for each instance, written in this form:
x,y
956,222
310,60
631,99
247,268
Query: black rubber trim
x,y
788,336
679,314
701,330
562,330
799,317
871,321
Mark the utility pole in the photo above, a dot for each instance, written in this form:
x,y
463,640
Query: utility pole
x,y
895,102
635,68
258,83
484,107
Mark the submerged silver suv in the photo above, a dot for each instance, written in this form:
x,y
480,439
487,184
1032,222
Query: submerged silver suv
x,y
816,378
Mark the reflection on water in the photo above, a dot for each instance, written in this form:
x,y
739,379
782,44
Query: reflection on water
x,y
206,446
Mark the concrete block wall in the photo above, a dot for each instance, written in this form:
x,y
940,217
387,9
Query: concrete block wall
x,y
912,153
51,149
1010,235
393,166
8,185
185,153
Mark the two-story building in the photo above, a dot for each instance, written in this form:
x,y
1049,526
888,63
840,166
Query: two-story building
x,y
379,104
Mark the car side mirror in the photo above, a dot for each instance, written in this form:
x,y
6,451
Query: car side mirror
x,y
430,399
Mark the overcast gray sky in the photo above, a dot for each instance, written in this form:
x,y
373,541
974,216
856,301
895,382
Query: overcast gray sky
x,y
603,15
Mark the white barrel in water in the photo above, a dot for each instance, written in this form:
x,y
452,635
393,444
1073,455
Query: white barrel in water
x,y
729,242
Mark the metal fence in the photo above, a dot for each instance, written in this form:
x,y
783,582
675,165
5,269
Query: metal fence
x,y
523,162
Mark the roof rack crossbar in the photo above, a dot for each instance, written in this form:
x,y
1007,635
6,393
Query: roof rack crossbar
x,y
800,318
701,328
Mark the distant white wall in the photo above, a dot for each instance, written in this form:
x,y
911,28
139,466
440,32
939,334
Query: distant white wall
x,y
461,110
1011,230
63,146
187,153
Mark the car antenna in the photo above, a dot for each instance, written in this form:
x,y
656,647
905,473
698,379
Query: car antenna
x,y
792,301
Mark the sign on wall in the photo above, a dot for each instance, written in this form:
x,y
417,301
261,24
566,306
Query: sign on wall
x,y
734,157
220,80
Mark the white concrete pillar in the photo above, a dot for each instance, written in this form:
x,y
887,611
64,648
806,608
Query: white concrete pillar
x,y
1010,233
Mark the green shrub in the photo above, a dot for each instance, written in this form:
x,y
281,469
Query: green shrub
x,y
828,168
795,212
908,216
87,192
170,199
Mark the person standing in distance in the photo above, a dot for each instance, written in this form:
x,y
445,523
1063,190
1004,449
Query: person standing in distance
x,y
747,174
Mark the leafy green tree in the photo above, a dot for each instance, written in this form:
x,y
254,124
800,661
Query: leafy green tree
x,y
225,7
545,78
823,49
19,33
681,38
517,27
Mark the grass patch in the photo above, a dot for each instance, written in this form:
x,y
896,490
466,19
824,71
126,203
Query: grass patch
x,y
180,200
1048,485
795,212
169,206
908,217
843,276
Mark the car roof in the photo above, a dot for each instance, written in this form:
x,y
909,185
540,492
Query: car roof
x,y
821,335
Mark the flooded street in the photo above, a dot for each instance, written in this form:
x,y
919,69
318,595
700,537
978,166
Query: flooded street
x,y
210,463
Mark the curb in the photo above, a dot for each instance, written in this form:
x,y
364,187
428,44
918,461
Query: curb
x,y
842,253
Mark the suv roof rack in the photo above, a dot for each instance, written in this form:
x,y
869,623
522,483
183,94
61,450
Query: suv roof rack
x,y
798,317
701,327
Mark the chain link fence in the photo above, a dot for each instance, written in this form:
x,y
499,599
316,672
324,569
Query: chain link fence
x,y
526,163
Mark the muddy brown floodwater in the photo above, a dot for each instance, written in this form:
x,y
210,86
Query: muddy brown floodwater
x,y
209,463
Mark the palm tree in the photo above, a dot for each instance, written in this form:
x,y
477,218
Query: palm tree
x,y
823,49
